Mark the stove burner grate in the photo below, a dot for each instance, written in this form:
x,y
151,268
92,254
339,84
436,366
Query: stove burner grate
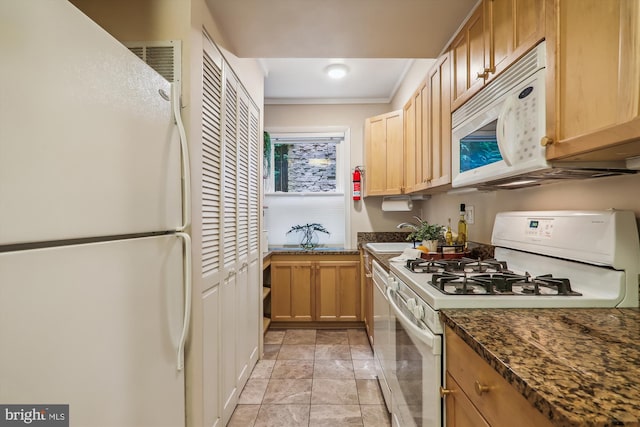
x,y
503,283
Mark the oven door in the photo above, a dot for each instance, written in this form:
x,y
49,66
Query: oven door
x,y
418,373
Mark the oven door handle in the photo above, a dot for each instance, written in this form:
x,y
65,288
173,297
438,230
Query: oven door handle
x,y
424,335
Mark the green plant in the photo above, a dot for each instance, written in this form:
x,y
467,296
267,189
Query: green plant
x,y
426,231
308,233
266,155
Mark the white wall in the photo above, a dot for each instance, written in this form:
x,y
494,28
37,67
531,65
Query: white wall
x,y
366,215
599,193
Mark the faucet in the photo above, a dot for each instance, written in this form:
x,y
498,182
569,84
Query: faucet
x,y
407,225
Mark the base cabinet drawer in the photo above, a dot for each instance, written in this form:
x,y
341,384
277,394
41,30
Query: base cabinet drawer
x,y
497,401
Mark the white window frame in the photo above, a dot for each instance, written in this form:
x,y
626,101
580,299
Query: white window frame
x,y
341,154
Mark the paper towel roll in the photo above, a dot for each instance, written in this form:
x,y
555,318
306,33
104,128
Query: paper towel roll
x,y
397,205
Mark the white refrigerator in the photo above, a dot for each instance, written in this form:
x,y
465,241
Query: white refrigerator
x,y
94,263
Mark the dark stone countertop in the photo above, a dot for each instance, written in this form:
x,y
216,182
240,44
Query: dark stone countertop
x,y
579,366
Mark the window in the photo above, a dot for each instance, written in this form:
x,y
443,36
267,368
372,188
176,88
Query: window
x,y
306,163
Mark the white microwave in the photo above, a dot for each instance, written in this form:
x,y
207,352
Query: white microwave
x,y
497,133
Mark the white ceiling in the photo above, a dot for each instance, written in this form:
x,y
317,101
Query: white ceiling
x,y
297,39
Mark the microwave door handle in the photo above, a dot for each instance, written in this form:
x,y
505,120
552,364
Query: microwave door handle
x,y
501,130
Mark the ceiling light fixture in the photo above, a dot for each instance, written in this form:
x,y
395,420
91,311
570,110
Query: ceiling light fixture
x,y
337,71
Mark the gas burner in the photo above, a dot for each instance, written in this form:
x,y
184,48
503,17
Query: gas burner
x,y
504,283
456,265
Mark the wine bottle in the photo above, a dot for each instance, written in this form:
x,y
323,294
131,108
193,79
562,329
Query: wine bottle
x,y
462,227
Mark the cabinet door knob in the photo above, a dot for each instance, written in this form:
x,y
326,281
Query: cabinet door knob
x,y
445,391
481,388
483,75
545,140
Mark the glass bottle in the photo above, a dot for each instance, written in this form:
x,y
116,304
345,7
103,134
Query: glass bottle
x,y
448,236
462,227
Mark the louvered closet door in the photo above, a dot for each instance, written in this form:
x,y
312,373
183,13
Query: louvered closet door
x,y
229,326
254,179
243,174
211,227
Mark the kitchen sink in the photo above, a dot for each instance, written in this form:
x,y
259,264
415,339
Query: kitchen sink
x,y
380,247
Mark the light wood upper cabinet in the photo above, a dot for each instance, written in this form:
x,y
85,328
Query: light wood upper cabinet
x,y
438,124
428,131
468,58
593,97
414,177
384,154
496,34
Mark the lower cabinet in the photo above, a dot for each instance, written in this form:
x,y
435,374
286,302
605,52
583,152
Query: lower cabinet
x,y
476,395
320,288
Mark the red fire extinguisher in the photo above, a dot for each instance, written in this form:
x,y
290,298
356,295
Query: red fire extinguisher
x,y
356,183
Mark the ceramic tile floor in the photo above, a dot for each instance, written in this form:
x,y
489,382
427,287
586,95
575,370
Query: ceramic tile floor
x,y
313,378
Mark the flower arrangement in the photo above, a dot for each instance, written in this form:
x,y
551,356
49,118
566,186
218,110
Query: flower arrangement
x,y
309,234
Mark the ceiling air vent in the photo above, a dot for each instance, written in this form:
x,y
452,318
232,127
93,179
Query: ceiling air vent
x,y
162,56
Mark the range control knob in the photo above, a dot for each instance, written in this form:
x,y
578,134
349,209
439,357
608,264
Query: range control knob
x,y
418,312
411,304
394,285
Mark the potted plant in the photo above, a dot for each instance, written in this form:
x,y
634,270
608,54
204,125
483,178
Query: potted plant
x,y
309,238
428,234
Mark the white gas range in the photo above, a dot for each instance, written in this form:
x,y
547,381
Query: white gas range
x,y
542,259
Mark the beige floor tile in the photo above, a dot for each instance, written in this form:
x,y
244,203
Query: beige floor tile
x,y
365,369
338,336
300,336
297,352
335,416
274,337
360,352
271,351
375,416
285,391
263,369
332,351
283,416
253,391
244,416
293,369
333,369
334,391
369,392
358,337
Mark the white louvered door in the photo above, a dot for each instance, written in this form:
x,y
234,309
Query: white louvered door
x,y
230,257
211,231
229,333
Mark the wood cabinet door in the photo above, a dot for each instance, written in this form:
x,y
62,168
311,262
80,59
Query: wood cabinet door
x,y
593,100
512,27
440,122
468,53
337,286
410,144
384,154
459,410
292,296
395,153
376,149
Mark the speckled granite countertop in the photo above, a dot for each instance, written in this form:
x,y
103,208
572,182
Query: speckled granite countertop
x,y
579,367
315,251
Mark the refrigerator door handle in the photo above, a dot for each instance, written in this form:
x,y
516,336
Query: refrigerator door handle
x,y
184,155
187,297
